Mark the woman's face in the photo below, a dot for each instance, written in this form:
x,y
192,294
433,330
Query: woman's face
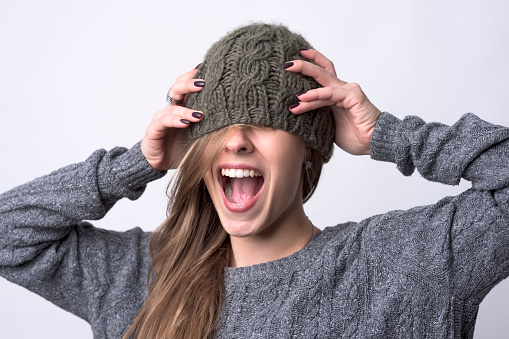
x,y
255,181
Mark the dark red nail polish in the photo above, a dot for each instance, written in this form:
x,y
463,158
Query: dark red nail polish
x,y
199,83
303,49
197,115
185,121
292,106
198,66
287,65
301,93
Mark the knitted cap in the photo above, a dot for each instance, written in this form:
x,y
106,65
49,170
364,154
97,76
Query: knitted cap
x,y
245,84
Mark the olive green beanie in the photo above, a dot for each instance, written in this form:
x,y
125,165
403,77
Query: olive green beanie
x,y
245,84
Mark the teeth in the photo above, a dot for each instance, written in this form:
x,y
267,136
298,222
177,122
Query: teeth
x,y
239,173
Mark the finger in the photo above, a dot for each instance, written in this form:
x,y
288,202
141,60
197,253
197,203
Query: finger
x,y
174,117
174,121
182,112
319,59
167,122
182,87
303,107
159,129
184,77
335,94
325,96
322,76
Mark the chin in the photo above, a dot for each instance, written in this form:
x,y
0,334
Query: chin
x,y
241,229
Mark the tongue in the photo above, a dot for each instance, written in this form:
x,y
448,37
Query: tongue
x,y
243,189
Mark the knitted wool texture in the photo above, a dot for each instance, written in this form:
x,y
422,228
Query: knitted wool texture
x,y
245,84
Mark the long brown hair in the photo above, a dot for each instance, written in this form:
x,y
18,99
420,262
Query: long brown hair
x,y
190,250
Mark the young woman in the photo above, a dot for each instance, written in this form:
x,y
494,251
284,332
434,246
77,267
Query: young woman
x,y
249,131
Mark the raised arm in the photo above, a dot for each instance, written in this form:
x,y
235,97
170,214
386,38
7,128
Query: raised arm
x,y
460,245
94,273
46,248
471,149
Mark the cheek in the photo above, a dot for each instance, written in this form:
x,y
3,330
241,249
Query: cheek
x,y
288,164
288,178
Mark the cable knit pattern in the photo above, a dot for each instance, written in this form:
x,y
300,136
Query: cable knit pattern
x,y
420,273
245,84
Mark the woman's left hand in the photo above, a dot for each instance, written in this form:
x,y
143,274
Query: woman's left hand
x,y
354,115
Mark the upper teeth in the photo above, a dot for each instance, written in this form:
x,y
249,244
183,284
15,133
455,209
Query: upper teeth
x,y
239,173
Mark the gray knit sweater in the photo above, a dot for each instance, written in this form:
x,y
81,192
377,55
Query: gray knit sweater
x,y
420,273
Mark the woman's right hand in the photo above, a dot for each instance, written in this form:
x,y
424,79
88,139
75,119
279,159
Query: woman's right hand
x,y
166,135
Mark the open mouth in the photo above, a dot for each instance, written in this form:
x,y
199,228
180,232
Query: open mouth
x,y
241,186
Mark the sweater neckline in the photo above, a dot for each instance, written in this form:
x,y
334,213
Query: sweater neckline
x,y
271,270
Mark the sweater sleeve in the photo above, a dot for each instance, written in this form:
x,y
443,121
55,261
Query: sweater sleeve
x,y
471,149
462,239
46,247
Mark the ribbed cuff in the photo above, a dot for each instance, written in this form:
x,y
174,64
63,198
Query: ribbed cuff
x,y
126,173
136,172
384,138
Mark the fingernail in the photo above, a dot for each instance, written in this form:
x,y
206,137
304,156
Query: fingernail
x,y
292,106
197,115
185,121
303,49
198,66
199,83
287,65
301,93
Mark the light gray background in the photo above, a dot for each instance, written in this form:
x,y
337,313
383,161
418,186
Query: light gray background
x,y
81,75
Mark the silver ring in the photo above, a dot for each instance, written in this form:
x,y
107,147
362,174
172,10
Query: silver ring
x,y
171,100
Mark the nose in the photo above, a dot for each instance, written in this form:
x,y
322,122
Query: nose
x,y
239,141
